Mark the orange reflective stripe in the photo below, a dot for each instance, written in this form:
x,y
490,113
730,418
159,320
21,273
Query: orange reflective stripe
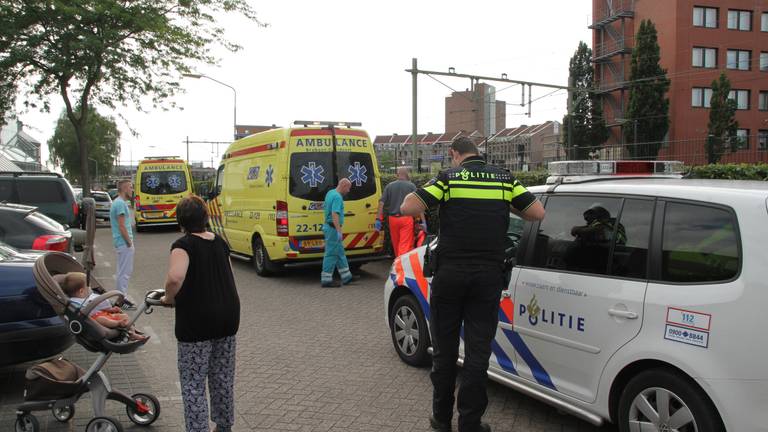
x,y
419,274
399,271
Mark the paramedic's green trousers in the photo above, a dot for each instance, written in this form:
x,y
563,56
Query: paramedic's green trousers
x,y
334,257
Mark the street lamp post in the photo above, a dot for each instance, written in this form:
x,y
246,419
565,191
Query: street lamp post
x,y
234,93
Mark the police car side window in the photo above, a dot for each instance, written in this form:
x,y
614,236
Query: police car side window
x,y
578,233
700,244
630,256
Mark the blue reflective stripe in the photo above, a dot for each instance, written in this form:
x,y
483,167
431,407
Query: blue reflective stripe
x,y
504,361
539,374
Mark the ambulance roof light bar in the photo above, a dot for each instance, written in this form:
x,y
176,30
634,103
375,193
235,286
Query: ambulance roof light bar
x,y
162,157
615,168
308,123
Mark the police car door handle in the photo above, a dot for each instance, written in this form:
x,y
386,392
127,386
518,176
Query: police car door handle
x,y
623,313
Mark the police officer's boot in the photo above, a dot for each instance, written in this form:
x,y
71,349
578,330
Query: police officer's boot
x,y
439,426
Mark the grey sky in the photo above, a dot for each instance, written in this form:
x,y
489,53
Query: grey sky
x,y
345,60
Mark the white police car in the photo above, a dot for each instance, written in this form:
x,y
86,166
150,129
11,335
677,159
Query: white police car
x,y
640,299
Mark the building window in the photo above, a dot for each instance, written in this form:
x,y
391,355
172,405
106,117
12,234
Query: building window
x,y
741,97
764,22
762,139
705,57
701,97
762,102
740,20
764,61
739,59
705,17
742,139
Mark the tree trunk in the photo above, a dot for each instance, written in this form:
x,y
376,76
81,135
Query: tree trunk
x,y
82,143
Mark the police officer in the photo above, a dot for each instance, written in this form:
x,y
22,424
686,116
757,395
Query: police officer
x,y
475,201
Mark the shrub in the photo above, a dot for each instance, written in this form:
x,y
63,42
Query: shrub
x,y
730,172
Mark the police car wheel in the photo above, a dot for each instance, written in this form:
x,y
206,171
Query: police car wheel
x,y
409,331
662,400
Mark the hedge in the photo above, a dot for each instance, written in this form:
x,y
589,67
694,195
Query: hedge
x,y
730,171
528,178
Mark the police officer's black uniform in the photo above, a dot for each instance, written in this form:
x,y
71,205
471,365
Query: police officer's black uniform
x,y
474,201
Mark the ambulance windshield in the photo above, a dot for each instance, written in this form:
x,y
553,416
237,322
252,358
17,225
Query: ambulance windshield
x,y
312,174
163,182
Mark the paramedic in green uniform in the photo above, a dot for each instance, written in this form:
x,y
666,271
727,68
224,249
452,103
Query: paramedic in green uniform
x,y
334,246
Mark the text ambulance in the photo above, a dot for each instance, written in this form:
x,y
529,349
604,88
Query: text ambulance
x,y
268,199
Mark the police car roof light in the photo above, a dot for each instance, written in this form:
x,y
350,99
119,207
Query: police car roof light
x,y
326,123
615,168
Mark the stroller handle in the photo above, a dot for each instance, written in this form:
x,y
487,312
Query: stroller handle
x,y
153,297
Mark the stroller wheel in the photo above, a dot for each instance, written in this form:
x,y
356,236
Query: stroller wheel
x,y
27,422
146,411
104,424
63,414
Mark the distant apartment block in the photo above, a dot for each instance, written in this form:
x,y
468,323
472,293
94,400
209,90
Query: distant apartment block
x,y
475,109
698,40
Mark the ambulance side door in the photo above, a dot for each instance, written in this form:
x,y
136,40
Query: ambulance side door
x,y
579,295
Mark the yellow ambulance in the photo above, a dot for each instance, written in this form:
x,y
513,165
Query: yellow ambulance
x,y
267,202
160,183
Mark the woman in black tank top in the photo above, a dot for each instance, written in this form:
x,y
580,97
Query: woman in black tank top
x,y
201,285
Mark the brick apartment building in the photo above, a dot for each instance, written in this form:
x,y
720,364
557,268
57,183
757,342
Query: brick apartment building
x,y
397,149
526,148
475,109
698,40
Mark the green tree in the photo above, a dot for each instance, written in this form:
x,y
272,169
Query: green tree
x,y
648,109
105,52
722,126
584,129
102,136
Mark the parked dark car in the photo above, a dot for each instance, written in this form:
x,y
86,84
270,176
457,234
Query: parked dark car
x,y
29,328
49,192
24,227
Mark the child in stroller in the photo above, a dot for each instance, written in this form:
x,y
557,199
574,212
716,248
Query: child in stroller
x,y
75,286
58,384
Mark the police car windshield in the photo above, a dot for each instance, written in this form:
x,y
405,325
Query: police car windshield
x,y
163,182
312,174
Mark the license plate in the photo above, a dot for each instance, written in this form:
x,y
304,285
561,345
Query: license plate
x,y
153,215
312,244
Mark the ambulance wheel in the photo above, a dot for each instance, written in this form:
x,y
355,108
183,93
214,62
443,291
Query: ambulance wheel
x,y
140,228
261,262
26,422
409,331
662,400
355,266
148,409
104,424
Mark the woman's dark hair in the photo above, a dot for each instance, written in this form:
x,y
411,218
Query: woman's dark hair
x,y
192,214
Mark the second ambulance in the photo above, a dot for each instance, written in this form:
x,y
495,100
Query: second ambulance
x,y
161,182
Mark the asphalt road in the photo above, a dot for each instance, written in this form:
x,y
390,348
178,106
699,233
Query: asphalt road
x,y
308,359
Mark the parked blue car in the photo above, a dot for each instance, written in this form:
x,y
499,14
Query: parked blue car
x,y
29,328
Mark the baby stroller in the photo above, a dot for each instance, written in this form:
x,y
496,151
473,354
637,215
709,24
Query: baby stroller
x,y
58,384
